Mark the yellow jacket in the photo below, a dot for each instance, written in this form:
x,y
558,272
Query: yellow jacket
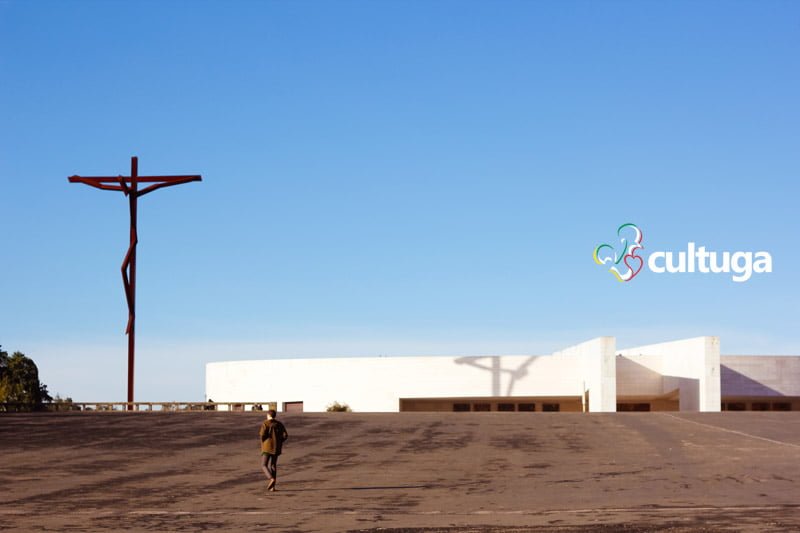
x,y
273,435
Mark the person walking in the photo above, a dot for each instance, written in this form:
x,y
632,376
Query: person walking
x,y
273,434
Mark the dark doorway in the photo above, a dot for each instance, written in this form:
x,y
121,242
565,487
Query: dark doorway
x,y
292,407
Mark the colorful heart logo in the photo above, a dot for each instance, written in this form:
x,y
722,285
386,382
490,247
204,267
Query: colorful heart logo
x,y
627,256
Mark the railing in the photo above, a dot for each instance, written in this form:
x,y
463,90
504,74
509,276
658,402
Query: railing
x,y
132,407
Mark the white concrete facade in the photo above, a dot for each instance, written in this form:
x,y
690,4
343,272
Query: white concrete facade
x,y
592,376
690,366
760,376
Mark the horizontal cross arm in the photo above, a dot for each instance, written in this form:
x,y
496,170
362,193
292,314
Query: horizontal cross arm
x,y
152,188
95,184
90,180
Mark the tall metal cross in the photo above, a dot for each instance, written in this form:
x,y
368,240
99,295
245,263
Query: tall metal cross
x,y
129,185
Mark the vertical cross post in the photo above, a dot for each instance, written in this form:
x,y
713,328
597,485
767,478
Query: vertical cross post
x,y
129,185
129,281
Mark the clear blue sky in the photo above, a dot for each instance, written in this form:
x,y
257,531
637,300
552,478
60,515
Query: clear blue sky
x,y
389,178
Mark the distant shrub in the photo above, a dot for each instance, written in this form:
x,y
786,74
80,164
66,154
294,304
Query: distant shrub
x,y
337,407
63,404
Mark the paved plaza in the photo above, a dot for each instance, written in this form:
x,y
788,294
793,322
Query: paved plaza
x,y
432,472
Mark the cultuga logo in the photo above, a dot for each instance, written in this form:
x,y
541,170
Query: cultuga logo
x,y
624,257
625,264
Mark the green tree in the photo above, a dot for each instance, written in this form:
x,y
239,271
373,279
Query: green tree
x,y
337,407
19,382
3,372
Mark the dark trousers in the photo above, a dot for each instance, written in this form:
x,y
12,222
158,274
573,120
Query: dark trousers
x,y
269,464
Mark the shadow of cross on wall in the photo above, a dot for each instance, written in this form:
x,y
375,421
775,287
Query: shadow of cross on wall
x,y
734,383
497,370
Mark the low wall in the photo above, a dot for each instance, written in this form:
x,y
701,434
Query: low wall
x,y
376,384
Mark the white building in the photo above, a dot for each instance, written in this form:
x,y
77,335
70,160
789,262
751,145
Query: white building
x,y
685,375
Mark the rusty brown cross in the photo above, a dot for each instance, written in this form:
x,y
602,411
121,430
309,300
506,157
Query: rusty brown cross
x,y
129,185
